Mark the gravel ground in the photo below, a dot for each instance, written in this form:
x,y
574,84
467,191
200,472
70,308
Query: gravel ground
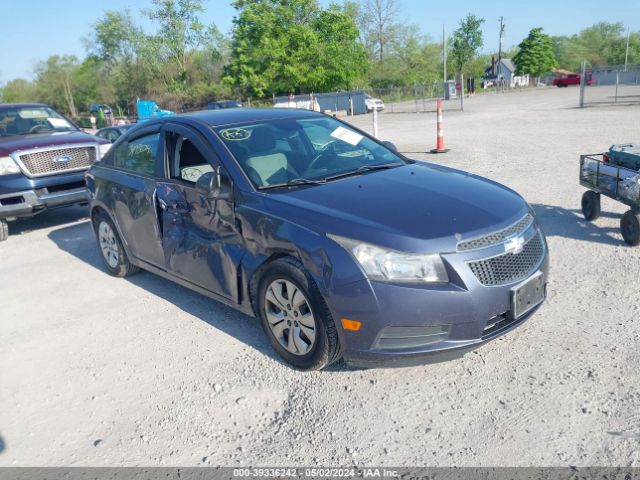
x,y
102,371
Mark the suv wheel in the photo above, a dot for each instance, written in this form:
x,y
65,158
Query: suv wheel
x,y
295,316
4,230
110,246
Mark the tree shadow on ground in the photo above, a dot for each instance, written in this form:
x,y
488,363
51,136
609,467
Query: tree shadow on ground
x,y
78,240
569,223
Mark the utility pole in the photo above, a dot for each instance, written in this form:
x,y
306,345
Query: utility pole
x,y
500,45
626,52
444,52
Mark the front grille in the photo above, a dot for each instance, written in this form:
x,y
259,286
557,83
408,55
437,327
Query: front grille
x,y
509,267
496,237
45,162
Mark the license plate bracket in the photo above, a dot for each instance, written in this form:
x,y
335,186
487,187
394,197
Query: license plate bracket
x,y
528,295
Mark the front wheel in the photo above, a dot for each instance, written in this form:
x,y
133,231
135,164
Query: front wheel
x,y
295,317
630,227
591,205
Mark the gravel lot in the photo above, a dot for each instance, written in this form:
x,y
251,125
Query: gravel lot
x,y
102,371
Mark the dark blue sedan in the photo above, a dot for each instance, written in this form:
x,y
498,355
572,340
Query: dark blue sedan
x,y
341,246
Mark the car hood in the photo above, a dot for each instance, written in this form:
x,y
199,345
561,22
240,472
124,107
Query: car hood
x,y
416,208
13,143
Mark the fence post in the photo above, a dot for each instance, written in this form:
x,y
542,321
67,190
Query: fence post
x,y
375,121
617,82
462,92
583,81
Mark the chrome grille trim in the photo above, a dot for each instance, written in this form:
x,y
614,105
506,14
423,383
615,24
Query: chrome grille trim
x,y
39,162
496,238
509,267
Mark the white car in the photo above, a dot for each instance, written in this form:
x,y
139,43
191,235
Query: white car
x,y
373,103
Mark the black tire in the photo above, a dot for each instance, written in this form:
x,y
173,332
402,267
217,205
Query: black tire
x,y
325,350
4,230
591,205
630,227
121,266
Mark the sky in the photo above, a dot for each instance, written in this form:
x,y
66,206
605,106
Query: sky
x,y
35,29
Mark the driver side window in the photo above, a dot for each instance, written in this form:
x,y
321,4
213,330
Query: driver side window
x,y
186,161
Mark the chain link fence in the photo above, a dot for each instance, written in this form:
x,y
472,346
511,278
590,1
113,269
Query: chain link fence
x,y
416,99
610,85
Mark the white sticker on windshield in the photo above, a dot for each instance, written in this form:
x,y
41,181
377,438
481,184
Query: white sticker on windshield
x,y
58,122
352,138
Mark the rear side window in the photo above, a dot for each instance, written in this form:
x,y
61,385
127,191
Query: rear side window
x,y
138,155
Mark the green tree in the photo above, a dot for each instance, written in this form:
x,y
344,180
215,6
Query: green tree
x,y
536,54
282,46
466,41
56,84
18,90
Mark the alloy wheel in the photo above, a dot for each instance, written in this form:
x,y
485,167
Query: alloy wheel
x,y
108,244
290,317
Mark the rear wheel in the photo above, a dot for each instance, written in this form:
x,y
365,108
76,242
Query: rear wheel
x,y
295,316
591,205
110,246
630,227
4,230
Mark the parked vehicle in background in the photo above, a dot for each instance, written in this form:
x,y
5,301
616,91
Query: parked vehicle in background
x,y
571,79
43,159
373,103
147,109
221,104
113,133
302,220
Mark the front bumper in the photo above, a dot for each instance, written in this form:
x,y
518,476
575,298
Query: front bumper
x,y
471,313
30,202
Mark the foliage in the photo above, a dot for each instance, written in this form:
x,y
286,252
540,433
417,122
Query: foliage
x,y
600,45
466,42
536,54
282,46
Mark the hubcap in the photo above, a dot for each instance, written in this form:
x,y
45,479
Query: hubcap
x,y
285,302
108,244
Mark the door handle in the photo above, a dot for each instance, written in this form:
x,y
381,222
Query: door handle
x,y
179,208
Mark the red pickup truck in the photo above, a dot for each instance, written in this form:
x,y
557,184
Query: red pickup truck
x,y
571,79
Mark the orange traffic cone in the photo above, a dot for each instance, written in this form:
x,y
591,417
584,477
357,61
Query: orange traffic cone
x,y
440,142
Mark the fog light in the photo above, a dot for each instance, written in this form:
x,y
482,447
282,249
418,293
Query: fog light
x,y
396,338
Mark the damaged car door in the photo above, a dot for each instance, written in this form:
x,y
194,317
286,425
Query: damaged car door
x,y
200,239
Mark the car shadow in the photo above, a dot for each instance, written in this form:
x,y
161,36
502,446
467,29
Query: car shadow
x,y
569,223
48,218
78,240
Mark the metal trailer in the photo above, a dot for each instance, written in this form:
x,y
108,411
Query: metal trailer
x,y
621,184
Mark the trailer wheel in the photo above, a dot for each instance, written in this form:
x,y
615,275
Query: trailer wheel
x,y
630,227
591,205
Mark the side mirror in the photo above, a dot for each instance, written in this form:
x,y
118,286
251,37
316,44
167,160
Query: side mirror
x,y
214,185
390,146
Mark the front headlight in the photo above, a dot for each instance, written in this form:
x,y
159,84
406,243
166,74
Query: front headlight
x,y
104,148
390,266
8,166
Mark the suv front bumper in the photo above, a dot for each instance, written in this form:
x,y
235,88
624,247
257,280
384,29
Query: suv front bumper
x,y
30,202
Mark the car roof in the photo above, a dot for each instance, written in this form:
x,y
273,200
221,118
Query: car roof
x,y
218,118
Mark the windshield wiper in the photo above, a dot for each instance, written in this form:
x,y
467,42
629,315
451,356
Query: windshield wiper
x,y
296,182
365,169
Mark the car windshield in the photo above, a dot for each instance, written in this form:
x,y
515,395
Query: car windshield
x,y
28,120
296,152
